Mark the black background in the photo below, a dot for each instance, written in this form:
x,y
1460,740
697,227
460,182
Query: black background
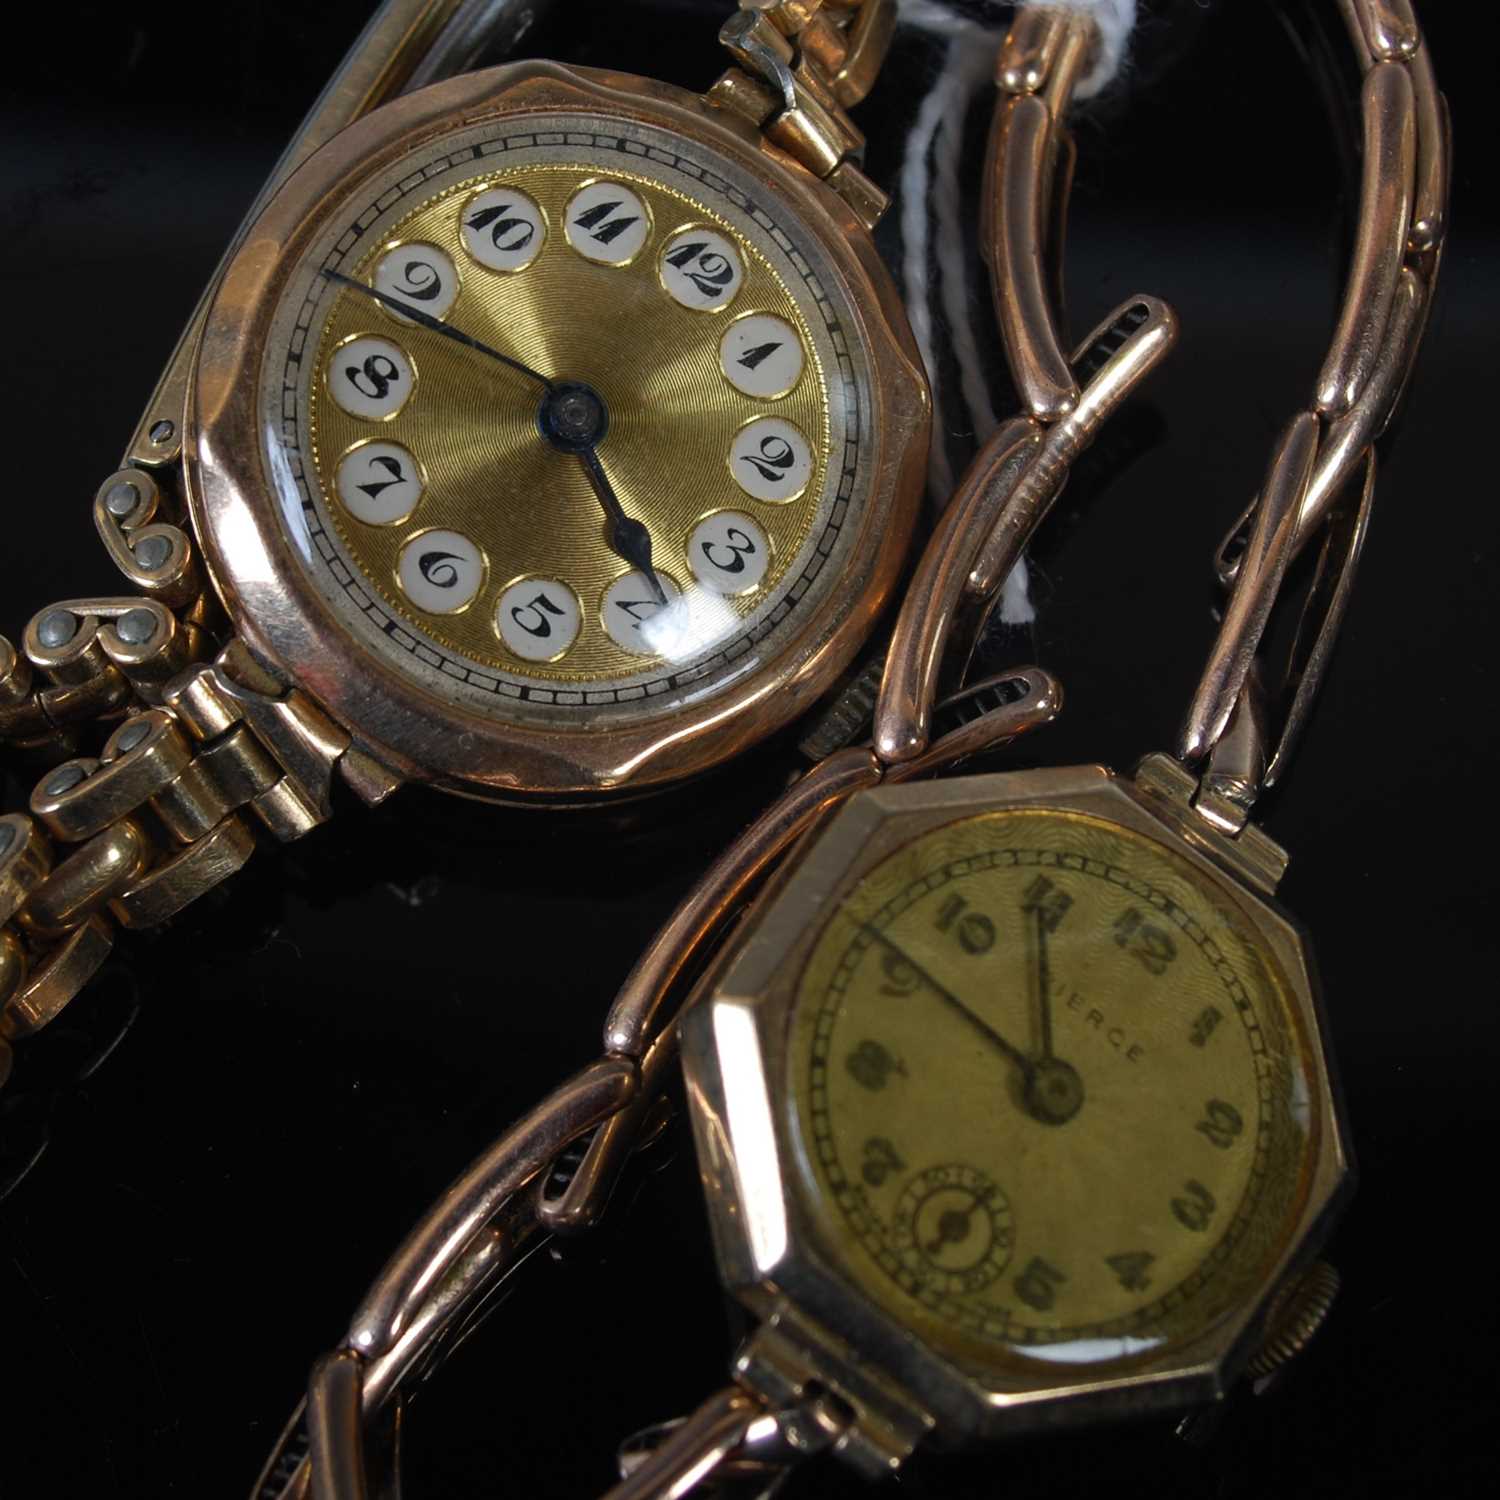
x,y
312,1055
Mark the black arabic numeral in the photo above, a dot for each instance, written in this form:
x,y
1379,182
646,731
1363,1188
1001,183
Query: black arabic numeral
x,y
1049,903
753,358
391,467
438,568
1223,1124
637,609
975,931
1203,1027
776,457
543,626
901,977
881,1159
1037,1285
499,226
424,282
378,374
1130,1267
1148,944
714,271
607,233
737,544
870,1065
1195,1208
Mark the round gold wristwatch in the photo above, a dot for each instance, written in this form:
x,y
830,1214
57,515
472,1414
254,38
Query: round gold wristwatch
x,y
547,435
1010,1094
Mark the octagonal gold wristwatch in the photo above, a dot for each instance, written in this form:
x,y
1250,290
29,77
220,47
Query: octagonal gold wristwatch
x,y
1012,1102
547,435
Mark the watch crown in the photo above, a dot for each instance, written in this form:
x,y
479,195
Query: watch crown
x,y
1294,1318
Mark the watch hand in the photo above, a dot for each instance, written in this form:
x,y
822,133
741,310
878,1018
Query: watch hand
x,y
426,320
949,998
955,1223
1043,986
628,538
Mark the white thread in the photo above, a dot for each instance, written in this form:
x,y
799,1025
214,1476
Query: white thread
x,y
938,131
914,273
1016,607
1115,20
965,74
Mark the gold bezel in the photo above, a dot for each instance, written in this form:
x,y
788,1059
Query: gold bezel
x,y
773,1250
282,616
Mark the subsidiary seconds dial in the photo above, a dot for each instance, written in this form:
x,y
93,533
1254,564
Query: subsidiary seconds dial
x,y
1049,1089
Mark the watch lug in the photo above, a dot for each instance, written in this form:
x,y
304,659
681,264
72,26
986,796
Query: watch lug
x,y
1176,796
789,1356
371,780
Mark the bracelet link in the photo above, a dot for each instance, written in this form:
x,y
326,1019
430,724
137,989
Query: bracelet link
x,y
154,553
802,64
299,738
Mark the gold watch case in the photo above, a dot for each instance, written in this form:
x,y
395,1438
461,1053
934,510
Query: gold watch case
x,y
781,1251
288,623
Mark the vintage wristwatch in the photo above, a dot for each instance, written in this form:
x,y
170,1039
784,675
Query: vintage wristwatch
x,y
547,435
1010,1096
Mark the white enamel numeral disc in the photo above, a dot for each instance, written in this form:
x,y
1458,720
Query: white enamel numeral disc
x,y
538,618
606,222
379,483
701,269
771,460
728,552
503,229
370,378
629,608
761,356
441,571
419,274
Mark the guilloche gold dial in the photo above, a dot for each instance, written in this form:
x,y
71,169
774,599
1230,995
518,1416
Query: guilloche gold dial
x,y
1052,1093
569,419
489,538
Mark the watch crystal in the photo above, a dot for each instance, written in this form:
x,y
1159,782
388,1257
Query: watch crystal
x,y
1052,1094
653,336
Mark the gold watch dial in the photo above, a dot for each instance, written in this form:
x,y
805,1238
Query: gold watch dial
x,y
1052,1093
604,277
568,418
